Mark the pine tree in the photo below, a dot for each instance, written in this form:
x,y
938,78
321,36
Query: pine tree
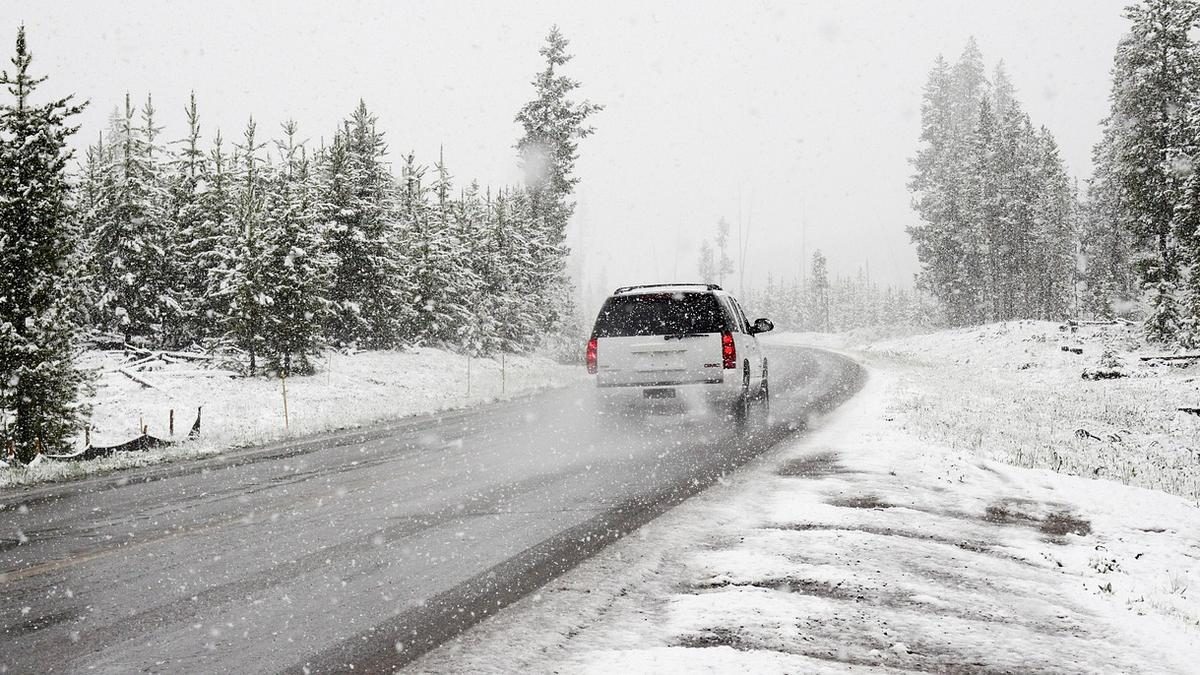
x,y
819,302
357,206
1156,74
996,238
470,232
432,256
1107,245
509,302
210,254
708,264
1054,236
724,264
132,239
243,284
39,382
295,269
553,124
196,233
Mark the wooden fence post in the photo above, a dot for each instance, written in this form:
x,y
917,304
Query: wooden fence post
x,y
283,382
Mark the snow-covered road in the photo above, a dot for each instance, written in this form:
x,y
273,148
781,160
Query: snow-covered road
x,y
861,548
364,547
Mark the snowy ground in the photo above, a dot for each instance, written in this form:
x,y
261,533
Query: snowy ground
x,y
1010,392
350,390
870,544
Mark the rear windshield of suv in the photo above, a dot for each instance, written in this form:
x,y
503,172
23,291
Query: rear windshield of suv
x,y
659,314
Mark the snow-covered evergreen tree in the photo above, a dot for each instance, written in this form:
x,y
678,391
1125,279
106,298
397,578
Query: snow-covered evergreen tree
x,y
939,165
358,213
470,232
819,293
1110,286
510,300
432,254
553,124
133,240
197,233
39,381
1156,77
209,251
1054,235
707,265
724,264
295,268
242,280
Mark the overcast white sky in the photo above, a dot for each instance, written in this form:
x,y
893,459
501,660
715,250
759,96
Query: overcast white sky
x,y
800,116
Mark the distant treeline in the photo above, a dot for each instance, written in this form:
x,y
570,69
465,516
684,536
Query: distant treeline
x,y
822,304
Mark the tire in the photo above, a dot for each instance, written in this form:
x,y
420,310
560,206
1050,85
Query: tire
x,y
764,406
743,405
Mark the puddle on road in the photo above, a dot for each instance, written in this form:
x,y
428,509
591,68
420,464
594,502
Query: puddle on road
x,y
1059,522
861,502
812,466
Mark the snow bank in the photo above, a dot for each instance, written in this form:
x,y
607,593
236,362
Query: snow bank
x,y
1015,392
864,547
350,390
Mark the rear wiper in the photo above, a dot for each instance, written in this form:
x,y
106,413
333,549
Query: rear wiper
x,y
680,336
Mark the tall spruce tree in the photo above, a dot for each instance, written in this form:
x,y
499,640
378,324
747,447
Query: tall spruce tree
x,y
39,382
295,268
470,233
707,263
430,253
1156,75
553,124
819,289
211,244
358,211
243,285
132,240
197,234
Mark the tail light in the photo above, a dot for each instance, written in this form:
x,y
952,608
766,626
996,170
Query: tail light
x,y
591,356
728,351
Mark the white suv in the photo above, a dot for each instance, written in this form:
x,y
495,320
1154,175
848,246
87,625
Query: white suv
x,y
679,343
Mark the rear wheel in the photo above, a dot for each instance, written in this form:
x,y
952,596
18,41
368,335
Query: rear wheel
x,y
742,406
764,403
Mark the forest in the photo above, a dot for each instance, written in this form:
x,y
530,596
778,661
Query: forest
x,y
264,244
1004,233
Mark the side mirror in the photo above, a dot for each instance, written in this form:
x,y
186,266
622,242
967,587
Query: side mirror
x,y
762,326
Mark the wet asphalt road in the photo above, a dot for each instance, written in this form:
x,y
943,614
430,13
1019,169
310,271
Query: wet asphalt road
x,y
363,548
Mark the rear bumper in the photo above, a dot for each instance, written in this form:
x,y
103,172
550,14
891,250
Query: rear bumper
x,y
671,395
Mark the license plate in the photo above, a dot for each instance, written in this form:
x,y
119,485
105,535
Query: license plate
x,y
659,393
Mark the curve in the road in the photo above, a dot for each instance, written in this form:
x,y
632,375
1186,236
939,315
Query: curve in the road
x,y
365,548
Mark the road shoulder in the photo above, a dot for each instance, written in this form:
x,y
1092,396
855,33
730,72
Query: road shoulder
x,y
858,545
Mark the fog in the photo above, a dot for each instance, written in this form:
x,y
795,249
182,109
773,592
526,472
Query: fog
x,y
794,120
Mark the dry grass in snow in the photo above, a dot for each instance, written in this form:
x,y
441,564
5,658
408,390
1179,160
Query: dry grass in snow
x,y
1009,392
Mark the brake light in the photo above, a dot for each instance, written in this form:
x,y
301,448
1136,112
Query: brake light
x,y
728,351
591,356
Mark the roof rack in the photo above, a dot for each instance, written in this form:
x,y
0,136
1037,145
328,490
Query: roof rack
x,y
626,289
